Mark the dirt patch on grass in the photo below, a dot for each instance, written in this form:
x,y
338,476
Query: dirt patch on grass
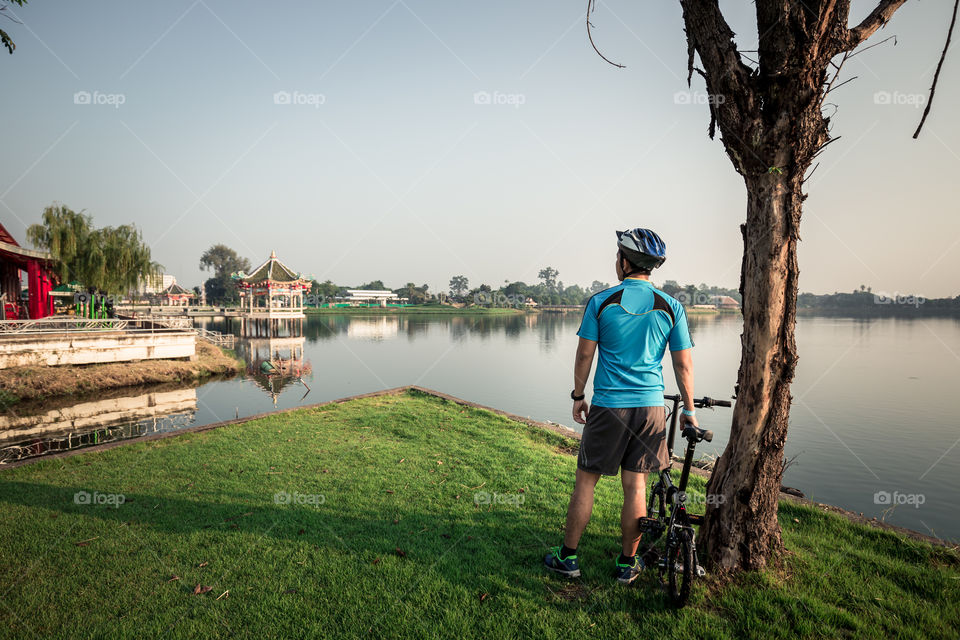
x,y
36,382
570,592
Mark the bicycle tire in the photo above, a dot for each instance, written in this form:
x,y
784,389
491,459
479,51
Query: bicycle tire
x,y
680,569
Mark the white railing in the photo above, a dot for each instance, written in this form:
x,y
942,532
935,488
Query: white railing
x,y
58,324
225,340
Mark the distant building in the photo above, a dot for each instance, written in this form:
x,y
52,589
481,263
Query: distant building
x,y
372,296
154,285
175,295
726,302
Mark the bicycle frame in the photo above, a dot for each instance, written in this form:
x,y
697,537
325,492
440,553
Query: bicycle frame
x,y
668,500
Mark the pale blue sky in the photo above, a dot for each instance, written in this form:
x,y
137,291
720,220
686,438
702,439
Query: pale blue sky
x,y
401,175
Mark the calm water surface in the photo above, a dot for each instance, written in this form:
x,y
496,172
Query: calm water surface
x,y
872,422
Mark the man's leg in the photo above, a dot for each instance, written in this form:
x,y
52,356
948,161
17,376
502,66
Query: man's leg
x,y
581,506
634,507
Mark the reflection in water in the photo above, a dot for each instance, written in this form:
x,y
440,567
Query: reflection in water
x,y
33,433
374,328
273,352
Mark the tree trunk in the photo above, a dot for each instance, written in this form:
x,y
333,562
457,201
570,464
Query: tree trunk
x,y
741,530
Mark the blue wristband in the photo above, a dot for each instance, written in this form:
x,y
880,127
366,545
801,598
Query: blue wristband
x,y
687,412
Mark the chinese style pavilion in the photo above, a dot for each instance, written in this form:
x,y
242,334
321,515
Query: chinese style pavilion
x,y
40,279
175,295
272,290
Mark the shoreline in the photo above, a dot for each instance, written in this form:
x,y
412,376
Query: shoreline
x,y
31,384
557,429
379,311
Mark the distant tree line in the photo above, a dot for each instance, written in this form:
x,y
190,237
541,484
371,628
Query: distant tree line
x,y
866,301
550,290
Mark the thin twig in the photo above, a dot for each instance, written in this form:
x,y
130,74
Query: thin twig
x,y
936,75
825,145
841,84
590,8
875,44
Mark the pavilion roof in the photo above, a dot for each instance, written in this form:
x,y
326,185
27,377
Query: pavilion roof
x,y
175,290
273,271
6,237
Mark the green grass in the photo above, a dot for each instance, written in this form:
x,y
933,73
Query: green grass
x,y
415,309
398,547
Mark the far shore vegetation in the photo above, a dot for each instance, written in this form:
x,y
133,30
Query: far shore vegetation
x,y
406,516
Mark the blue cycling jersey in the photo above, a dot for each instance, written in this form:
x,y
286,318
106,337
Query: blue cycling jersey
x,y
632,323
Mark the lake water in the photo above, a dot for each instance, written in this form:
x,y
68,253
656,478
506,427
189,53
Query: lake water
x,y
872,425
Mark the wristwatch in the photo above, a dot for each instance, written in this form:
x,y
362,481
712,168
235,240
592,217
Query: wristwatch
x,y
575,397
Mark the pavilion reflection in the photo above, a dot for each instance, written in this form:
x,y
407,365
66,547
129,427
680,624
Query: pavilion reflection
x,y
273,352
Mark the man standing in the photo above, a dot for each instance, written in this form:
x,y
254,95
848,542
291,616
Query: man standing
x,y
630,325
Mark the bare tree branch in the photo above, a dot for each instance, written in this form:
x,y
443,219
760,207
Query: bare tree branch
x,y
936,75
878,18
591,6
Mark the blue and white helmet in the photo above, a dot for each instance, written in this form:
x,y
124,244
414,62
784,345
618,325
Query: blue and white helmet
x,y
642,247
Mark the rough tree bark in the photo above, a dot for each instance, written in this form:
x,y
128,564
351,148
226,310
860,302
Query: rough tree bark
x,y
772,126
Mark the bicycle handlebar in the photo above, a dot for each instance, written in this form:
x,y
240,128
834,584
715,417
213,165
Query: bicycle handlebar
x,y
703,402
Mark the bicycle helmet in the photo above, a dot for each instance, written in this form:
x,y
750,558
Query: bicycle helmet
x,y
642,247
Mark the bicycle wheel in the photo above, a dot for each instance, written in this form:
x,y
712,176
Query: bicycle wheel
x,y
680,569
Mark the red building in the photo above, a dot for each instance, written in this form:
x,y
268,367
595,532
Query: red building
x,y
40,279
175,295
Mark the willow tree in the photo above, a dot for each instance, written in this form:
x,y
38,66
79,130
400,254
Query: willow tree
x,y
111,260
772,125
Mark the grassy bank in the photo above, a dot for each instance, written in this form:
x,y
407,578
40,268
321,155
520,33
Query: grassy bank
x,y
37,382
416,309
361,519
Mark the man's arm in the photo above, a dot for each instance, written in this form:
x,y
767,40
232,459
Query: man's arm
x,y
683,371
581,372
